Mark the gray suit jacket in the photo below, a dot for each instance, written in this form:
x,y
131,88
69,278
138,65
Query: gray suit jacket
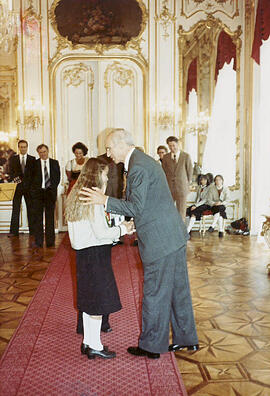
x,y
160,229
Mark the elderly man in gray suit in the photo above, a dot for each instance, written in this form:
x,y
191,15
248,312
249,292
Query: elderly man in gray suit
x,y
162,240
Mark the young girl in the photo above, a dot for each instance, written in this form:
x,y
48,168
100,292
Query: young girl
x,y
195,211
218,196
92,239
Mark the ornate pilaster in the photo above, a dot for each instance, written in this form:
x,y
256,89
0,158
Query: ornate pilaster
x,y
248,97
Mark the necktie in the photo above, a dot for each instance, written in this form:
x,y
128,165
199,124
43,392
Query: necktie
x,y
46,176
174,157
23,164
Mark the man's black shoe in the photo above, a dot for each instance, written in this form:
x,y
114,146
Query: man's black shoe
x,y
137,351
107,330
210,229
176,347
220,234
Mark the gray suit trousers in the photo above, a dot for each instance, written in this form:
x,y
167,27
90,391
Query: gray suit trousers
x,y
167,299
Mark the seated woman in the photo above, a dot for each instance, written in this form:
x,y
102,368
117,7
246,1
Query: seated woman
x,y
92,239
195,211
218,196
74,166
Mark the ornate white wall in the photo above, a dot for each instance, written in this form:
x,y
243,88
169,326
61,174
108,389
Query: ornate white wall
x,y
84,91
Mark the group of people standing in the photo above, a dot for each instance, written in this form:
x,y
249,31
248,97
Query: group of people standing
x,y
149,208
37,181
153,204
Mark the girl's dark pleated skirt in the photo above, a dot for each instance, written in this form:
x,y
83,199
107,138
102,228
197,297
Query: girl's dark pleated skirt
x,y
97,292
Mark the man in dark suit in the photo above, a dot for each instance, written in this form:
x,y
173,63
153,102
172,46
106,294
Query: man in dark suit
x,y
21,168
115,176
162,240
44,192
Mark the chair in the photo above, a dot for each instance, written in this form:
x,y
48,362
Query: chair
x,y
206,214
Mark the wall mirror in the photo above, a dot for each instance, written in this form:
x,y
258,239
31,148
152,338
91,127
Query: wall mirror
x,y
209,68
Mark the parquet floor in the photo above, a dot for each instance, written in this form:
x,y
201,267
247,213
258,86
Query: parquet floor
x,y
231,293
230,290
21,270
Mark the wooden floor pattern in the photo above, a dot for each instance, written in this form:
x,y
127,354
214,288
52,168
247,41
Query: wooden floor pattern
x,y
21,270
230,291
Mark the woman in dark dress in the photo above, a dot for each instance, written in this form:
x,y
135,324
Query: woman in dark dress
x,y
74,166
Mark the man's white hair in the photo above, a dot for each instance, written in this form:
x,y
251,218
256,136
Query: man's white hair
x,y
121,135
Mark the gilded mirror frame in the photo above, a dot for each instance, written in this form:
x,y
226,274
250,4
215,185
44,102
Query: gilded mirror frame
x,y
63,42
201,42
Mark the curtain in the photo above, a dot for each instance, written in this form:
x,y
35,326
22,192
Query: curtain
x,y
191,139
192,78
220,149
226,51
262,28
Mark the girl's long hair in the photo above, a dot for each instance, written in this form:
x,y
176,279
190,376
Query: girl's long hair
x,y
90,176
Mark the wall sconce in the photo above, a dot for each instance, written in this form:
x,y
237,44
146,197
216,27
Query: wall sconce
x,y
167,117
5,137
199,125
31,113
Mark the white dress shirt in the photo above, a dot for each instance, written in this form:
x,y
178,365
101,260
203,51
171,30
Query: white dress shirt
x,y
21,157
128,158
42,170
126,165
177,155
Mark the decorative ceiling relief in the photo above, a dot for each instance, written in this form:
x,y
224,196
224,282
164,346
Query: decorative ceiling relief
x,y
227,7
98,24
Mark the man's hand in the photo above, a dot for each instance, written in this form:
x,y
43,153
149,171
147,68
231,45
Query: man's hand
x,y
193,207
92,196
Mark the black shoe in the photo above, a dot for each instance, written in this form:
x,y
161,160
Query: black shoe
x,y
220,234
108,330
104,354
211,229
176,347
137,351
135,243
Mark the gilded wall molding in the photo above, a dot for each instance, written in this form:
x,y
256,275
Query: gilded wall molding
x,y
248,101
99,48
166,18
75,57
121,75
230,8
201,42
75,75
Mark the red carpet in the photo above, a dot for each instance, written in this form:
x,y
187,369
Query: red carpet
x,y
43,357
